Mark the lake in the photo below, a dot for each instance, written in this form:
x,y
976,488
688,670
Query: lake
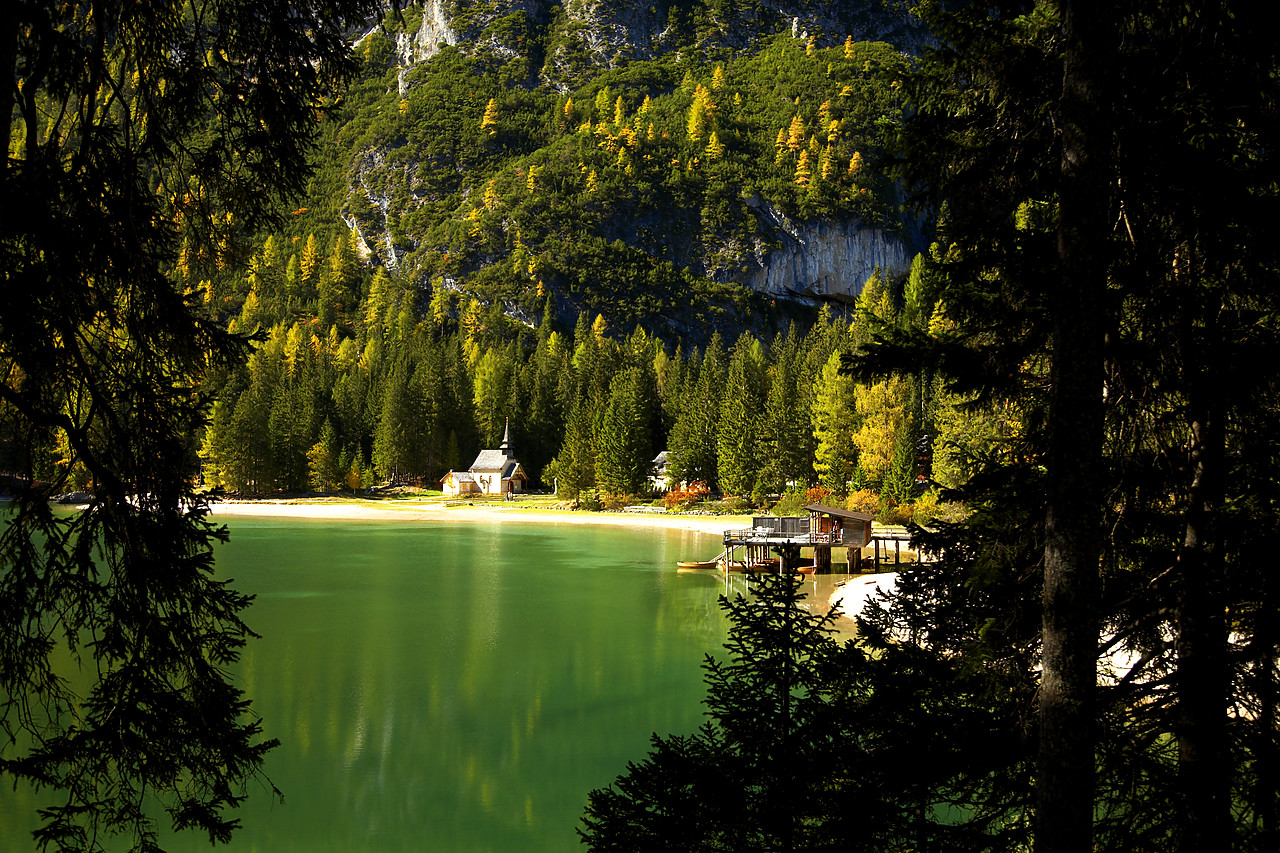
x,y
454,687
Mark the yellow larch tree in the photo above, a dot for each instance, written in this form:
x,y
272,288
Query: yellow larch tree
x,y
310,257
803,172
490,120
717,79
795,134
714,150
604,100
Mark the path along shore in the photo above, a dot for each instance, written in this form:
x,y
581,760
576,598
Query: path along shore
x,y
411,510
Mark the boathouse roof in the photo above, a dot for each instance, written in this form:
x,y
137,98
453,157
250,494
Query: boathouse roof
x,y
838,513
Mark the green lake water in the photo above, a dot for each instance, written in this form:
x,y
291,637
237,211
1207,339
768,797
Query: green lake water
x,y
456,687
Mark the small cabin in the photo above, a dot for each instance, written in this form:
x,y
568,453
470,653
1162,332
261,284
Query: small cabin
x,y
841,527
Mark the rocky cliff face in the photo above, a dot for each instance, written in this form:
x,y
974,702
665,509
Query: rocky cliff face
x,y
825,260
611,33
425,43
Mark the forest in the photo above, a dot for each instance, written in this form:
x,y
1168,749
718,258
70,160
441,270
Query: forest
x,y
498,202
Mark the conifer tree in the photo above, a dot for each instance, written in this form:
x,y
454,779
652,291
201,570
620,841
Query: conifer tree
x,y
714,150
310,260
691,453
625,442
738,431
489,121
833,427
803,174
796,133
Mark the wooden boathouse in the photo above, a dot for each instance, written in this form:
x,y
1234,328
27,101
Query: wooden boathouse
x,y
825,528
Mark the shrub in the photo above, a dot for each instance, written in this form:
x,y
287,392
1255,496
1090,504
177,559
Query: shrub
x,y
683,497
892,513
792,503
615,503
818,495
863,500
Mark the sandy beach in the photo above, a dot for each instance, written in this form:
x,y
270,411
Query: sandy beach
x,y
426,510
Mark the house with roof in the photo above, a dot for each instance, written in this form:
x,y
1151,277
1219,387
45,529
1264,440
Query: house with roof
x,y
495,472
660,474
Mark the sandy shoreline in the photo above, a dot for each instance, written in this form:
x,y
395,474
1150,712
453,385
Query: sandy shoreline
x,y
434,511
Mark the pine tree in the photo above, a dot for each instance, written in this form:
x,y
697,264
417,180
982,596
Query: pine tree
x,y
833,427
625,446
691,452
604,100
738,431
310,260
767,771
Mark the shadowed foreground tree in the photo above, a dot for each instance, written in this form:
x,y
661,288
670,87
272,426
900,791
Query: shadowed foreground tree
x,y
132,132
1090,662
759,775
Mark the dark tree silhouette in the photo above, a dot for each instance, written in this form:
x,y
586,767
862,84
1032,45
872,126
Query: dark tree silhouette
x,y
132,132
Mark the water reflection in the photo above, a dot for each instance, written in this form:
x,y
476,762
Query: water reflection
x,y
461,688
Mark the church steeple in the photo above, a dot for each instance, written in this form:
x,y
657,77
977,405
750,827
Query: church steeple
x,y
505,447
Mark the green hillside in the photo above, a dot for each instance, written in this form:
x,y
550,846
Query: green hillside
x,y
480,215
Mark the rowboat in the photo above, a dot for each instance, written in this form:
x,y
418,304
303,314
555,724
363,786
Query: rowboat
x,y
691,565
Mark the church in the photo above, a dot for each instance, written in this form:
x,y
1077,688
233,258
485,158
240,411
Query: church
x,y
495,472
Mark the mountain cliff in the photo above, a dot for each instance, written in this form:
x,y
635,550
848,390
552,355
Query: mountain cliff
x,y
670,164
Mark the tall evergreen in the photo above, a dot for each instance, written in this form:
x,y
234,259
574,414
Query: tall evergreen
x,y
834,417
738,431
692,449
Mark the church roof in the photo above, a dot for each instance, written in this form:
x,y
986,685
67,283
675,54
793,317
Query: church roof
x,y
490,460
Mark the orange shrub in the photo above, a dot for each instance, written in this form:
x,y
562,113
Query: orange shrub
x,y
818,494
685,496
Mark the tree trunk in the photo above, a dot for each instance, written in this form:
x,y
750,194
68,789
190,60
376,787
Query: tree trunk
x,y
1202,682
1073,539
8,73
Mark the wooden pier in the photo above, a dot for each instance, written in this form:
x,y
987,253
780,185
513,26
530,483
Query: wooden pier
x,y
750,549
825,528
